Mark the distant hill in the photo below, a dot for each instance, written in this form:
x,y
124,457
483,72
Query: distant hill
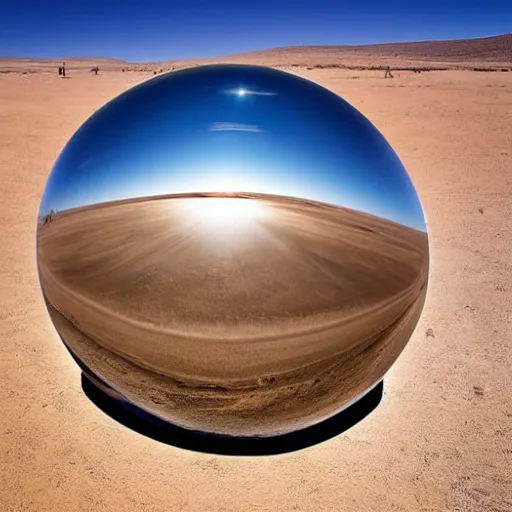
x,y
28,64
495,50
490,49
106,60
489,52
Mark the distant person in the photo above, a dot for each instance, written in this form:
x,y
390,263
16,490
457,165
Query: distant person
x,y
60,70
49,217
95,69
63,69
388,73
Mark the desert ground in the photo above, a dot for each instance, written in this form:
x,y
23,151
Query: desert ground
x,y
440,438
240,314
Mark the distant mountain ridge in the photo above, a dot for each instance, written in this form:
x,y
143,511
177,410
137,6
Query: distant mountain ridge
x,y
495,50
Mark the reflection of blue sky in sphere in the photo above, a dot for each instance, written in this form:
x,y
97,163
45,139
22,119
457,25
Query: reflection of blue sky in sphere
x,y
233,128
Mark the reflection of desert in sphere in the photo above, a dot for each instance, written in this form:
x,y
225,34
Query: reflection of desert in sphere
x,y
233,249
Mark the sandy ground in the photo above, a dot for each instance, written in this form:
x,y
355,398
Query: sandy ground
x,y
440,439
247,315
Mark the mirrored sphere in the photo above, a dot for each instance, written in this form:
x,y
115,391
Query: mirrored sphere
x,y
233,249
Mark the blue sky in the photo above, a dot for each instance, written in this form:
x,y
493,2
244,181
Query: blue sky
x,y
232,128
162,29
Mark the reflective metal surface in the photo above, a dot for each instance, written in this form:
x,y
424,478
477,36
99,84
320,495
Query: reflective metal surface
x,y
234,249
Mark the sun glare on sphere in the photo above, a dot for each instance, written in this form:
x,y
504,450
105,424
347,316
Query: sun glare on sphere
x,y
227,211
241,92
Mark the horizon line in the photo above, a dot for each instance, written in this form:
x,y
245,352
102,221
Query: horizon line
x,y
268,49
219,195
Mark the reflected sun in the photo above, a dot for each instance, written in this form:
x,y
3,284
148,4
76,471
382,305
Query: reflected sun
x,y
227,211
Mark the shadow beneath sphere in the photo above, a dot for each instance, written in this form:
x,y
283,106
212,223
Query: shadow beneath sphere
x,y
150,426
